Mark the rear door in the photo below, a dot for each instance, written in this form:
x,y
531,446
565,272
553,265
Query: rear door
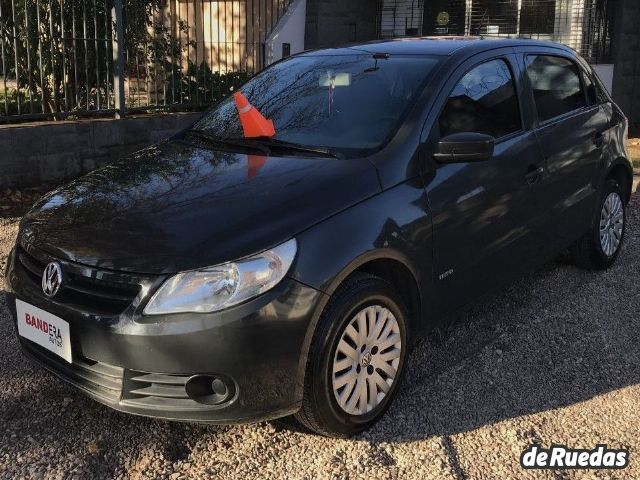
x,y
485,214
570,132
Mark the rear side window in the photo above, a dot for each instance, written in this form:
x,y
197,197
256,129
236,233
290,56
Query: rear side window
x,y
556,85
594,91
483,101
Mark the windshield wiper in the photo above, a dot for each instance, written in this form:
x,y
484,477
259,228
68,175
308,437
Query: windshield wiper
x,y
282,146
235,143
264,145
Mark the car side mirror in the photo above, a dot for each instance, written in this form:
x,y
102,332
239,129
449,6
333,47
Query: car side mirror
x,y
465,147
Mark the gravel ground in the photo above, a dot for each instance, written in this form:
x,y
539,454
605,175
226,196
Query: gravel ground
x,y
553,359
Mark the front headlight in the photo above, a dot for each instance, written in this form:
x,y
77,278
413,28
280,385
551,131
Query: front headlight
x,y
215,288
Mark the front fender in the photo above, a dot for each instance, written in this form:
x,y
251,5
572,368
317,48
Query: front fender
x,y
395,224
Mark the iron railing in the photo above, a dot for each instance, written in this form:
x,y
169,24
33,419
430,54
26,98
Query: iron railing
x,y
584,25
72,58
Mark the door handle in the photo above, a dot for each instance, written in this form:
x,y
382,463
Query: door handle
x,y
598,140
534,173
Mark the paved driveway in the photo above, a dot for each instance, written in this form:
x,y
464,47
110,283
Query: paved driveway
x,y
554,358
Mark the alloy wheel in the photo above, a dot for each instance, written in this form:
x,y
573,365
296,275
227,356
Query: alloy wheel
x,y
366,361
611,224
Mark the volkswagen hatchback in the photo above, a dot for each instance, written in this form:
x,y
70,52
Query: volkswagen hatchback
x,y
223,277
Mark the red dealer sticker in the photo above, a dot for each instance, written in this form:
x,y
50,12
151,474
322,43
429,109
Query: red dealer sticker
x,y
45,329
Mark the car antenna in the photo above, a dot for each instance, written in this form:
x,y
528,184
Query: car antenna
x,y
376,57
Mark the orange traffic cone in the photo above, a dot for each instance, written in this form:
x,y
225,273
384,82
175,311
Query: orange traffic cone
x,y
253,122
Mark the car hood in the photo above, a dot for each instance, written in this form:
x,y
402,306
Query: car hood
x,y
176,206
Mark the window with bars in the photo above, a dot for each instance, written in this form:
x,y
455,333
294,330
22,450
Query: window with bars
x,y
584,25
494,17
537,17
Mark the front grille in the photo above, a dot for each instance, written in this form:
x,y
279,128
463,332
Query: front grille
x,y
158,394
156,391
84,288
153,391
100,379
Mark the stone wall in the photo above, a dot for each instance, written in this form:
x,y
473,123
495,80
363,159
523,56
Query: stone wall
x,y
47,153
626,57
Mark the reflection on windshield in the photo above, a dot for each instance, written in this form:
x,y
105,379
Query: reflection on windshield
x,y
350,103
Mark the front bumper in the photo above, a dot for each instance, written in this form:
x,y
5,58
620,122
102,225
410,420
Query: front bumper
x,y
140,365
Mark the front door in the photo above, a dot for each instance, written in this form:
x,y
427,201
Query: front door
x,y
486,215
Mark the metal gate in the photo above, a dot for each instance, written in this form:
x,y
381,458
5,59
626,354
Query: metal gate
x,y
72,58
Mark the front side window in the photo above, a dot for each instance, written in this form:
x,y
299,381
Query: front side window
x,y
556,85
350,103
484,101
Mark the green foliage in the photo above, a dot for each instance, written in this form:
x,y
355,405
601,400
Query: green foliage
x,y
49,64
9,101
202,85
65,59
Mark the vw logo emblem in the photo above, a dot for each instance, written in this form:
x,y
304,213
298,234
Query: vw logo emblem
x,y
51,279
366,359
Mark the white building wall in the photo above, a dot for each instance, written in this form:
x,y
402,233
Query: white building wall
x,y
569,22
290,29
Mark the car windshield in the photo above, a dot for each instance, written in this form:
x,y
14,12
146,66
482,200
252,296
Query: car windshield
x,y
347,103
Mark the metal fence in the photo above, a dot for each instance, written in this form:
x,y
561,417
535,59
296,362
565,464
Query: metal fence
x,y
584,25
71,58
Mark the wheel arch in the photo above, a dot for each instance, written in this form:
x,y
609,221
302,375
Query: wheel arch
x,y
404,281
394,267
621,171
386,263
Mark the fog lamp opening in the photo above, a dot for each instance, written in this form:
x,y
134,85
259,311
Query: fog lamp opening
x,y
210,389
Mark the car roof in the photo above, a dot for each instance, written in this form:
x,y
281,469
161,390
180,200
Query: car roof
x,y
435,46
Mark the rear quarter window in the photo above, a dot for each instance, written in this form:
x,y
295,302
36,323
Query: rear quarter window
x,y
594,90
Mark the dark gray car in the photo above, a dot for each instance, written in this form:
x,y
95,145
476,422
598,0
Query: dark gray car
x,y
218,278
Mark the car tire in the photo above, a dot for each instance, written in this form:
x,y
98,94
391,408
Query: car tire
x,y
329,409
599,248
